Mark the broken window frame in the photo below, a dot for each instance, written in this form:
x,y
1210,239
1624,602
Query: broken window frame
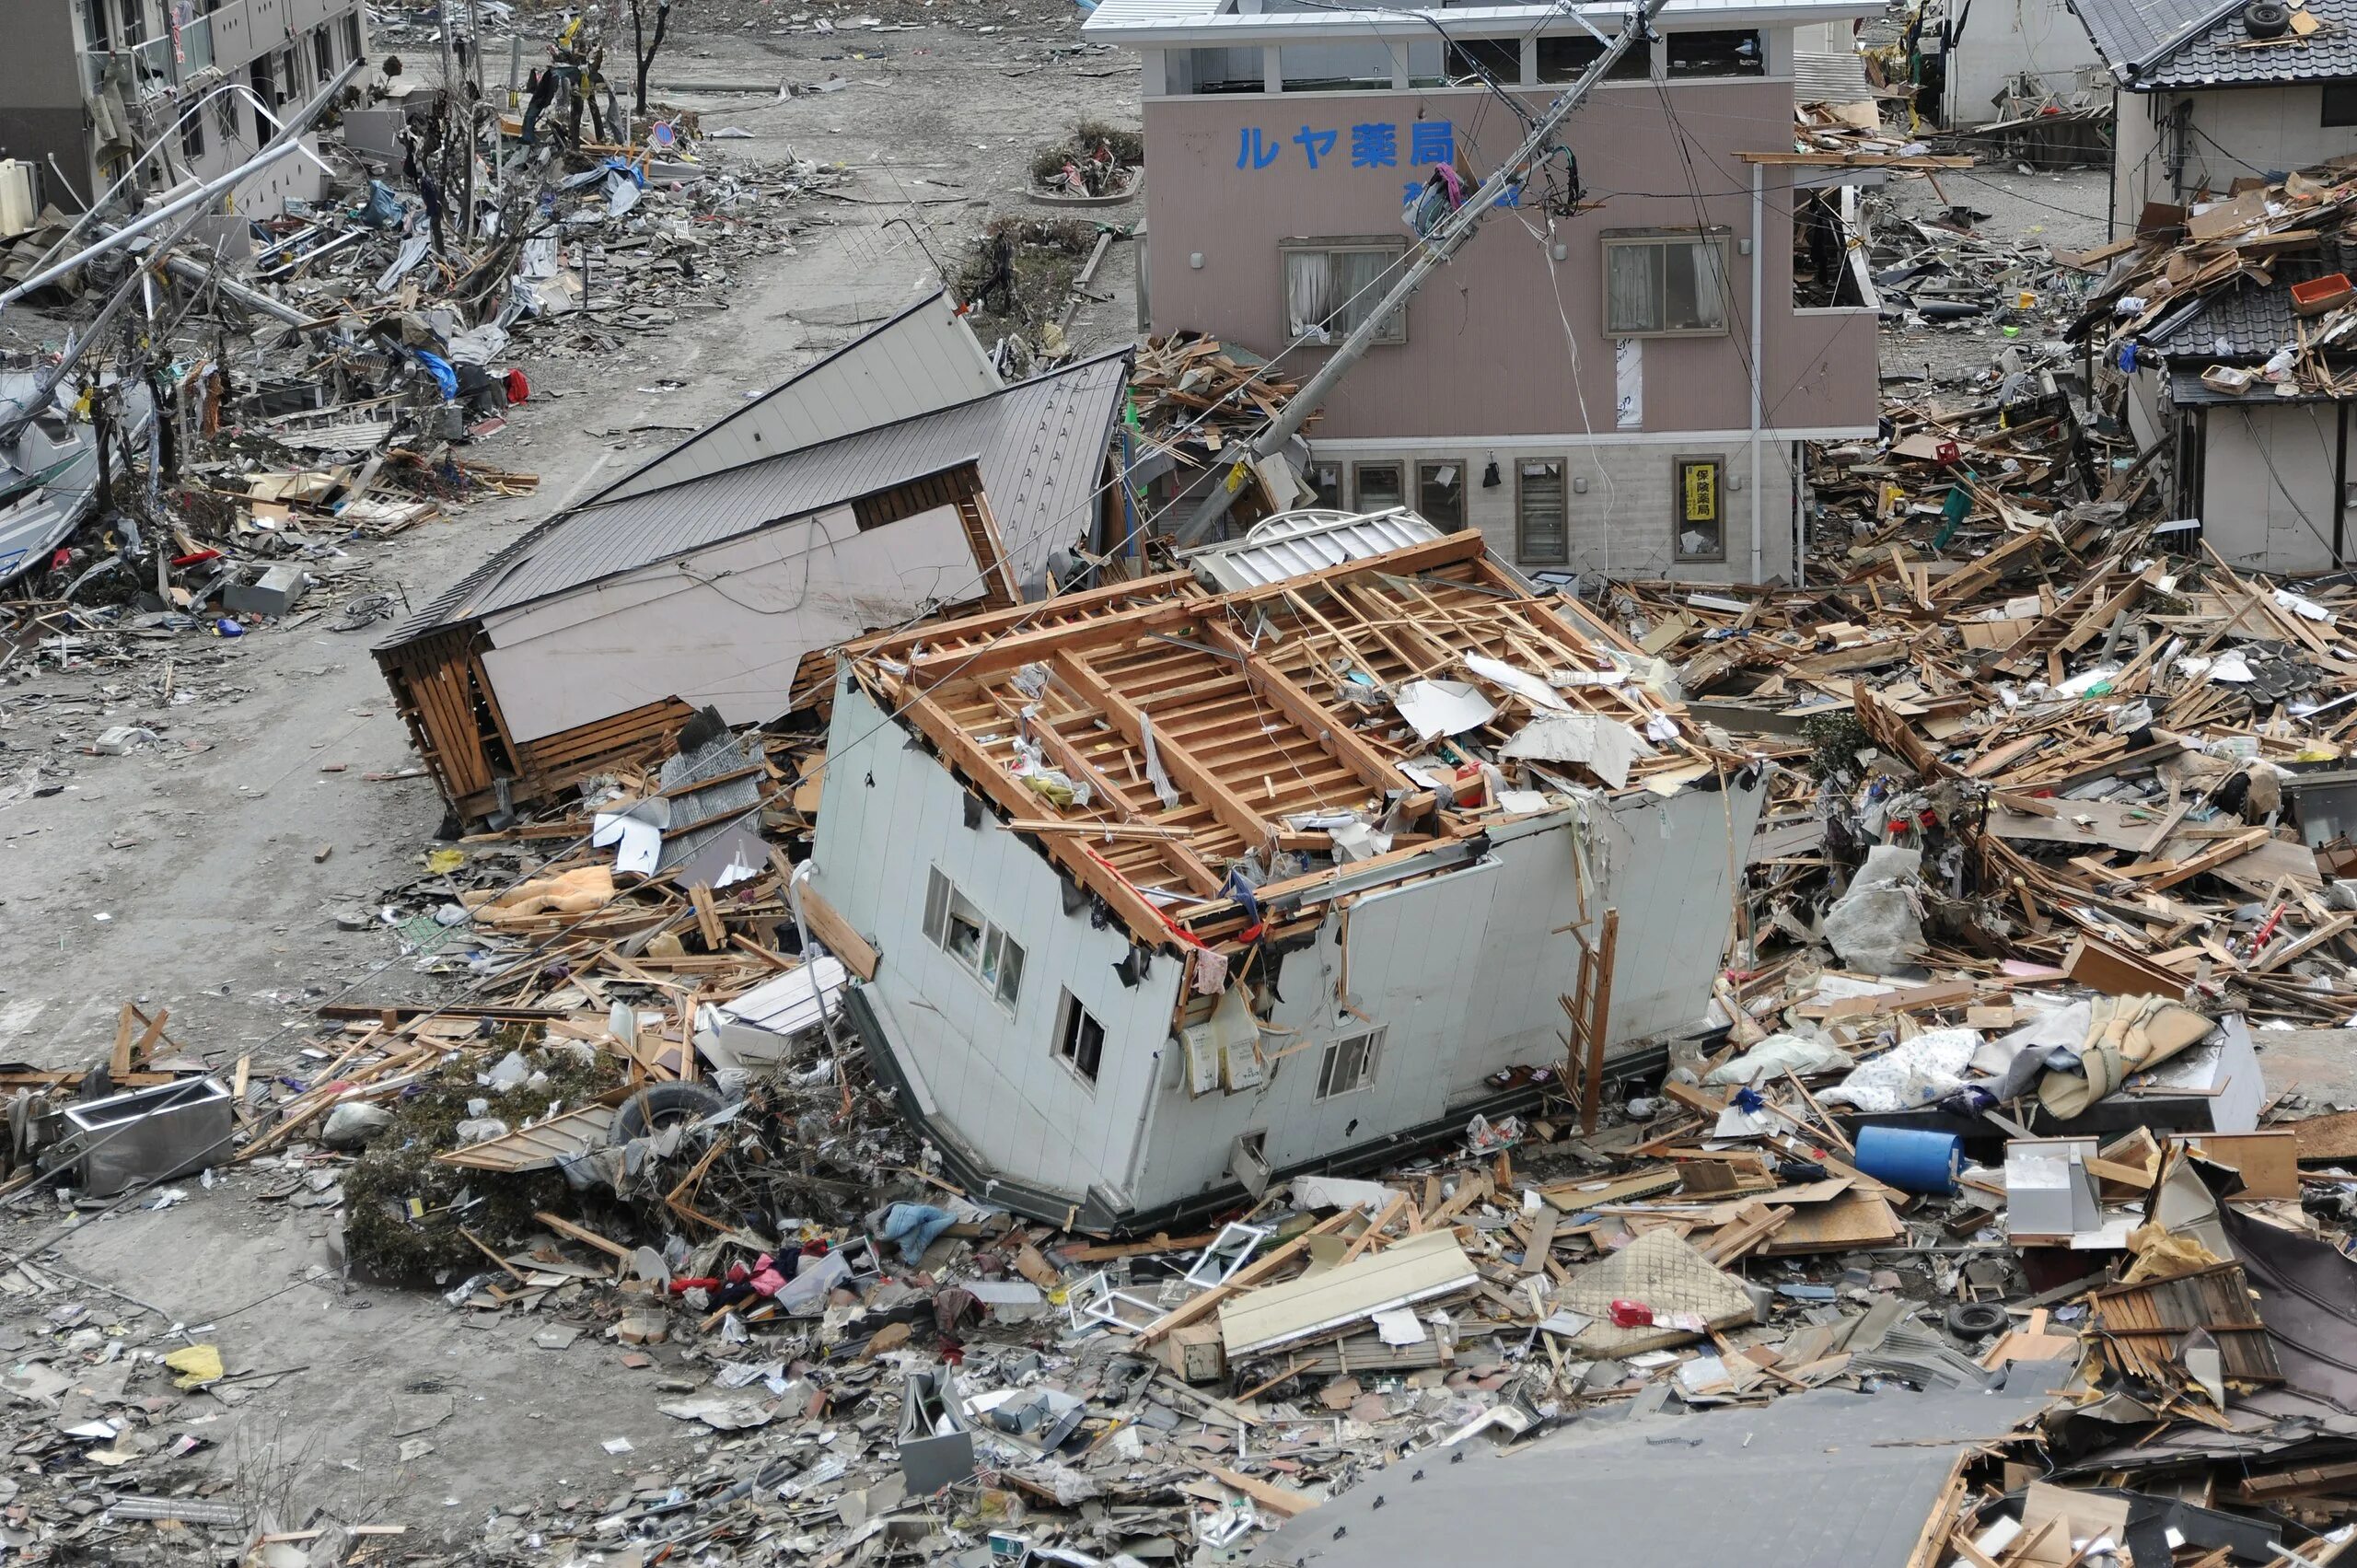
x,y
1679,522
1448,519
1707,52
324,52
1350,298
1713,243
1524,553
1399,491
353,47
1368,1046
1565,57
1073,1047
1324,477
995,960
936,908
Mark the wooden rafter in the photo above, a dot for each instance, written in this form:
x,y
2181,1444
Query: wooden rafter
x,y
1316,719
1181,765
1192,867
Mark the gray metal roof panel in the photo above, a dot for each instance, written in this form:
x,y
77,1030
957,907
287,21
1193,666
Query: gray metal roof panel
x,y
1311,540
1025,439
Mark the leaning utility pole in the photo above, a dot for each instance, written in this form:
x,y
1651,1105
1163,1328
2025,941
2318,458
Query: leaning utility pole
x,y
1449,234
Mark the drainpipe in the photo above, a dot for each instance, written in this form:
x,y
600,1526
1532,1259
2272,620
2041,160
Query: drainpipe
x,y
2340,487
1758,311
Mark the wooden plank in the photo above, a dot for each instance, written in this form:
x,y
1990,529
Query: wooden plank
x,y
587,1236
828,925
1282,1501
1182,765
1252,1274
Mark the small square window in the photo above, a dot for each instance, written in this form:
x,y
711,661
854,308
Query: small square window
x,y
1080,1039
1331,288
1540,534
936,908
1440,494
1003,966
1347,1065
1377,487
2339,103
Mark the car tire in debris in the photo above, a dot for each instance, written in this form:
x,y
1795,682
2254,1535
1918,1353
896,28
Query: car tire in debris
x,y
660,1106
1966,1320
2267,19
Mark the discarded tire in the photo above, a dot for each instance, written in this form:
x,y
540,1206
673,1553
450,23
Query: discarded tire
x,y
2265,18
660,1106
1966,1320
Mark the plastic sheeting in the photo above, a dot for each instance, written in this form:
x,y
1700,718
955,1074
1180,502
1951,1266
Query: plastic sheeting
x,y
1875,925
1912,1073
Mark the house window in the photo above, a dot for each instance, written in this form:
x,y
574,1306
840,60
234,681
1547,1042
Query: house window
x,y
1440,494
1567,59
1347,1065
1702,524
1377,487
1717,54
2339,103
1333,287
960,930
193,136
1477,59
1665,284
351,25
324,53
1540,536
936,908
1002,966
1080,1039
1326,484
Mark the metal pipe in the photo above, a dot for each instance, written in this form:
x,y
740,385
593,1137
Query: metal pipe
x,y
1758,318
289,139
1447,235
818,987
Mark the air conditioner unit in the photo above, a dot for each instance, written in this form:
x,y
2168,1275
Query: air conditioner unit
x,y
19,197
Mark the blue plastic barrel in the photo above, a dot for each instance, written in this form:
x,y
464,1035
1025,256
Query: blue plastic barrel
x,y
1908,1159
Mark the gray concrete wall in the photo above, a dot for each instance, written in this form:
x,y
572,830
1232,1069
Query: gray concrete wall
x,y
40,96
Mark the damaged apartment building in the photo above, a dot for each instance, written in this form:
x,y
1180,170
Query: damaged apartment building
x,y
1615,375
84,84
1287,859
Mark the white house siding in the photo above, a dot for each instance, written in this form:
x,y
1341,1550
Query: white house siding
x,y
2278,128
726,625
2005,39
891,812
1464,971
2267,485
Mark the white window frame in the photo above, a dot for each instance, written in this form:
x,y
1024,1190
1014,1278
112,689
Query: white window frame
x,y
1070,1012
1395,329
947,909
1714,242
1370,1045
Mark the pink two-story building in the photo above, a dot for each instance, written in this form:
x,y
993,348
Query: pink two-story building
x,y
1616,372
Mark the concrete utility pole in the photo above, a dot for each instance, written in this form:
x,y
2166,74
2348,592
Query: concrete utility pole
x,y
1438,247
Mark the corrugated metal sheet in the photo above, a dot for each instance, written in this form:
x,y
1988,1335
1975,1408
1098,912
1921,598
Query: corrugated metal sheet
x,y
1040,443
922,361
1823,77
1413,1269
1308,540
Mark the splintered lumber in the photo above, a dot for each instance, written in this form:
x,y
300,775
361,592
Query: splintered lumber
x,y
1252,1274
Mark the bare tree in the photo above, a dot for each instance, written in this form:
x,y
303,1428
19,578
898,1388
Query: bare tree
x,y
641,47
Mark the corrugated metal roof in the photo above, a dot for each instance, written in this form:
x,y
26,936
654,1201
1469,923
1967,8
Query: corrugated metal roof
x,y
1309,540
1039,445
922,360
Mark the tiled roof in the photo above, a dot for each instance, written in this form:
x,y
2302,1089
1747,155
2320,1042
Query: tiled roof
x,y
2251,321
2176,44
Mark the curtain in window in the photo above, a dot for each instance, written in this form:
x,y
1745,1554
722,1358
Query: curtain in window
x,y
1309,292
1358,285
1634,290
1697,300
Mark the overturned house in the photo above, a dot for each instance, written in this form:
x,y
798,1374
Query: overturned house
x,y
713,575
1283,862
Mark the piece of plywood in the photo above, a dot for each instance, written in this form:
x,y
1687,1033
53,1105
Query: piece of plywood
x,y
2268,1163
1851,1223
1415,1268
